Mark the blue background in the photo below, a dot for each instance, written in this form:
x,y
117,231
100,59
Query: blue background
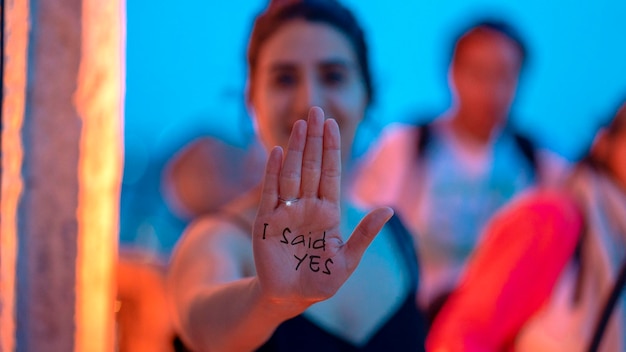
x,y
186,77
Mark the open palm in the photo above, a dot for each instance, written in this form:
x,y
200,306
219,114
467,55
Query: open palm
x,y
298,250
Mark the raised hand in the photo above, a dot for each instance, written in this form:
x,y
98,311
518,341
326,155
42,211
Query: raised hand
x,y
299,253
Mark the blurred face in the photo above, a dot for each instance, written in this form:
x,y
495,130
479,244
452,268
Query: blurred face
x,y
305,64
484,78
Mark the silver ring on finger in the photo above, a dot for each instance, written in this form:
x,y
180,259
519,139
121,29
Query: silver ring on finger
x,y
288,202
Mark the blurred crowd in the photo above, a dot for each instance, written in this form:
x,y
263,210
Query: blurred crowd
x,y
495,244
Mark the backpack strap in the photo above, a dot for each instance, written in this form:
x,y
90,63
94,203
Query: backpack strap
x,y
528,150
424,138
608,308
523,143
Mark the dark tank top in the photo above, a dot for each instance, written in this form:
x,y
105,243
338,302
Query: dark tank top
x,y
404,331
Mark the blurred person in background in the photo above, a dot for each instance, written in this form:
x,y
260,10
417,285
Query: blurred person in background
x,y
550,264
208,173
278,269
446,178
197,180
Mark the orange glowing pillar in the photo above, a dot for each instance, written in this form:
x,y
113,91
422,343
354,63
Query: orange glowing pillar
x,y
14,85
61,173
99,102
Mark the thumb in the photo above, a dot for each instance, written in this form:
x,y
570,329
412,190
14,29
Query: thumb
x,y
364,234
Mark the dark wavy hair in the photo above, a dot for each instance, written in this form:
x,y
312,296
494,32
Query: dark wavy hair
x,y
325,11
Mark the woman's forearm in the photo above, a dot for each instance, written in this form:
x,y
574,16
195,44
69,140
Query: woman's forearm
x,y
235,316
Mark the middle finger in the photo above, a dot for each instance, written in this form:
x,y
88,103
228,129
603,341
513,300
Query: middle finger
x,y
290,174
312,159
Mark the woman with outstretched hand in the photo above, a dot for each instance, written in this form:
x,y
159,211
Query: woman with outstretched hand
x,y
294,266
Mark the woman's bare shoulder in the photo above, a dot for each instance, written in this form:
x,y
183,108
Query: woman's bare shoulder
x,y
217,247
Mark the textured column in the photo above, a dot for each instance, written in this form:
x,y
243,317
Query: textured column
x,y
63,161
47,223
